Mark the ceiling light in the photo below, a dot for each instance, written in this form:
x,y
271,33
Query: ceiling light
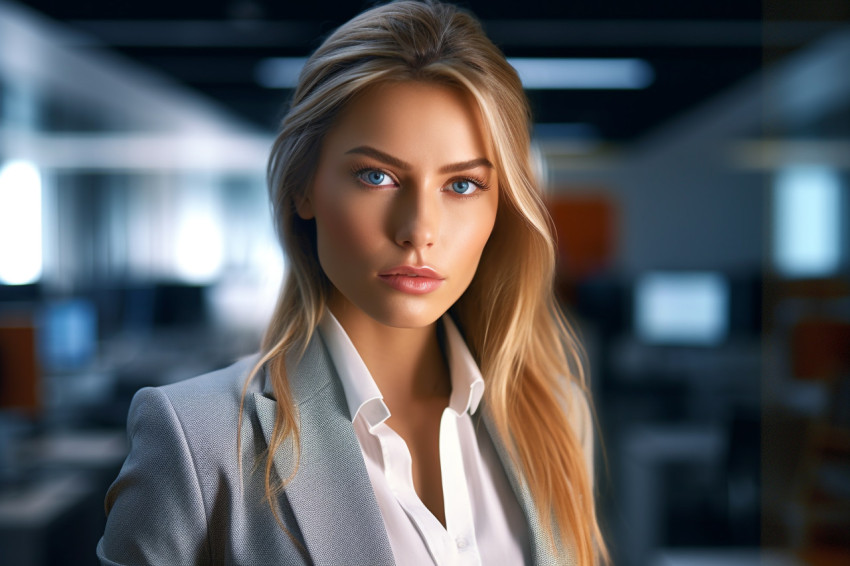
x,y
618,74
536,73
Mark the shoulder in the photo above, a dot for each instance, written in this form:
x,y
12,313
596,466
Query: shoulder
x,y
174,500
215,393
220,385
200,414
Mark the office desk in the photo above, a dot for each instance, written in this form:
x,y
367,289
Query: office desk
x,y
55,516
49,521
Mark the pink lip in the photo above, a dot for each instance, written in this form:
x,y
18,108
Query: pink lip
x,y
412,280
412,271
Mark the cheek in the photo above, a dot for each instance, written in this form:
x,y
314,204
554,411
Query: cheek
x,y
347,232
471,231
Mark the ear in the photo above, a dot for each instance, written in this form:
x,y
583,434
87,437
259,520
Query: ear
x,y
304,207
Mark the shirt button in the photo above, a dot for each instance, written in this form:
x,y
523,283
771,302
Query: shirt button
x,y
461,543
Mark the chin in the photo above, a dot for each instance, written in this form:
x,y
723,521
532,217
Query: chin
x,y
408,316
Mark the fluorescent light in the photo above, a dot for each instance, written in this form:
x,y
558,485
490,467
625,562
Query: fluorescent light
x,y
536,73
617,74
807,221
224,152
20,223
200,256
199,249
199,243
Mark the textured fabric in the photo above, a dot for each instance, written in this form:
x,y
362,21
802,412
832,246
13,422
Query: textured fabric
x,y
580,419
179,498
484,523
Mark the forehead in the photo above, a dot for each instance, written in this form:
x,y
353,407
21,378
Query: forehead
x,y
413,120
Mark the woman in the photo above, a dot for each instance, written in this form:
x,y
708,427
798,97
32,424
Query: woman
x,y
420,288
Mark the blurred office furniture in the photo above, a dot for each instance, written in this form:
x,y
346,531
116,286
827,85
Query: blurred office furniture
x,y
52,513
688,466
12,295
723,557
649,454
681,401
51,481
806,456
821,352
741,478
692,198
20,389
50,522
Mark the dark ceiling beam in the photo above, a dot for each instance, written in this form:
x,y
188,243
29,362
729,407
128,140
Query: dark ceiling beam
x,y
656,33
200,33
508,33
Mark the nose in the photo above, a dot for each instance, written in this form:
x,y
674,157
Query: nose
x,y
416,219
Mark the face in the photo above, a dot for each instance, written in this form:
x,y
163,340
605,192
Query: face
x,y
404,199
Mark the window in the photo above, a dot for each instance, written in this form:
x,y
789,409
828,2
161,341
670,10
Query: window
x,y
807,221
20,223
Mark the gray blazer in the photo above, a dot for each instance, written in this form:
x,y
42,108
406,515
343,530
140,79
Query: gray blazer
x,y
180,498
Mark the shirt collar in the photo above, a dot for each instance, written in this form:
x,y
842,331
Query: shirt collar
x,y
361,391
467,383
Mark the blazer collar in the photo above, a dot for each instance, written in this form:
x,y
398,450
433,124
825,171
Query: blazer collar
x,y
541,551
331,495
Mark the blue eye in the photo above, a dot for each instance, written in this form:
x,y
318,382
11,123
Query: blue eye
x,y
463,187
375,177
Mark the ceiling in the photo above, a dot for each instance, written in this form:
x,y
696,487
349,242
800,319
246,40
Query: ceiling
x,y
696,49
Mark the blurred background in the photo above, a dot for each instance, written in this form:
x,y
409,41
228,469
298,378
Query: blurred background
x,y
696,159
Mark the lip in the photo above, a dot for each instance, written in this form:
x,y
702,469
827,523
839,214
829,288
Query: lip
x,y
412,280
412,271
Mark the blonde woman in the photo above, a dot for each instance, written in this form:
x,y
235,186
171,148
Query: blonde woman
x,y
418,398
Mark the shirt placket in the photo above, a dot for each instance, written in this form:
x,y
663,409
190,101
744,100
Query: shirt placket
x,y
454,545
458,507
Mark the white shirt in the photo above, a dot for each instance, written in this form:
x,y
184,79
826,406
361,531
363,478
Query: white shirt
x,y
484,522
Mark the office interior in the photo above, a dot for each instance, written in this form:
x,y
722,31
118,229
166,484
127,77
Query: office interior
x,y
696,161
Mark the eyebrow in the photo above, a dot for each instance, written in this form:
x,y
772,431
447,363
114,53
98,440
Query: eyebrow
x,y
396,162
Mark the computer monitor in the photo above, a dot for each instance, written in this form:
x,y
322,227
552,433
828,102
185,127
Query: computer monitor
x,y
681,308
151,306
67,334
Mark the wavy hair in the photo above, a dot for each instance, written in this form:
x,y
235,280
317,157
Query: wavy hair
x,y
529,357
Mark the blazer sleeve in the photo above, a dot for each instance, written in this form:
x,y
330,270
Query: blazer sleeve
x,y
155,507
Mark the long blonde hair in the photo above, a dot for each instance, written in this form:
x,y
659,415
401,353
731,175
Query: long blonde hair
x,y
528,355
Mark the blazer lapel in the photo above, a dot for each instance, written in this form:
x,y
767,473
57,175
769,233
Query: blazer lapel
x,y
541,551
331,495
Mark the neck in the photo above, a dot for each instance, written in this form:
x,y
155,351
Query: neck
x,y
407,364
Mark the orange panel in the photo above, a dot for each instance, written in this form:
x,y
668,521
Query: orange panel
x,y
19,373
586,230
820,348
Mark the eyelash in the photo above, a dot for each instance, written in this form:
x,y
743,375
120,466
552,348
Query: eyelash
x,y
358,170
